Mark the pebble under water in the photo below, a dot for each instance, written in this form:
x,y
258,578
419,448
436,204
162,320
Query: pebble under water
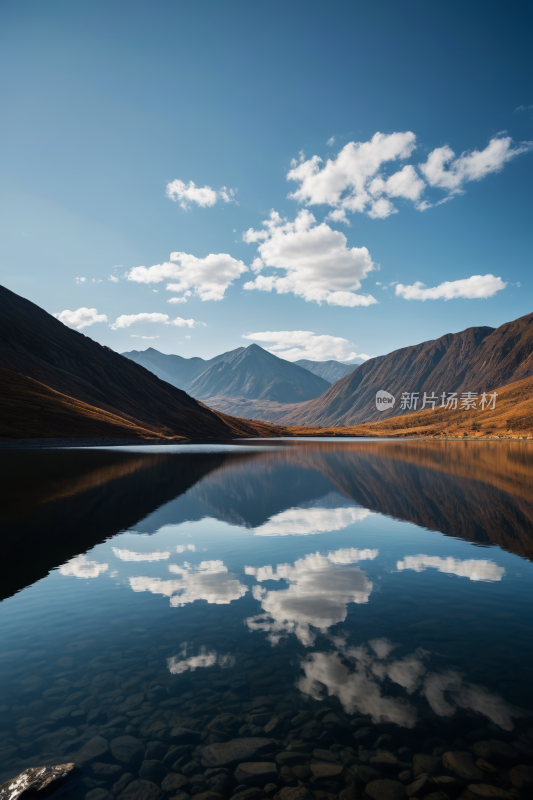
x,y
300,620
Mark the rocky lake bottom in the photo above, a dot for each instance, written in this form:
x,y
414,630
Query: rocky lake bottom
x,y
302,622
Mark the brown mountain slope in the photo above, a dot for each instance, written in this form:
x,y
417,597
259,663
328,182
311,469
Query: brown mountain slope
x,y
511,417
29,409
474,360
35,344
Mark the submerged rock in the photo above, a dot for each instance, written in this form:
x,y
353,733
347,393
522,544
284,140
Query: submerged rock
x,y
522,776
385,789
495,750
93,750
223,753
49,782
463,765
253,773
127,750
141,790
488,791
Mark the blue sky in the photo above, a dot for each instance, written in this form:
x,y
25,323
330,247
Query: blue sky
x,y
107,104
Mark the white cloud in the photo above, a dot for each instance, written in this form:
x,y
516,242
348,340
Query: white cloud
x,y
207,277
125,320
203,196
182,548
478,286
210,581
305,521
352,181
295,345
445,171
178,665
331,141
523,108
320,587
81,567
81,280
475,569
317,263
137,336
81,318
130,555
113,278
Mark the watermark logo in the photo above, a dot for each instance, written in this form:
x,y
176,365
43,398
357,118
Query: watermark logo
x,y
384,400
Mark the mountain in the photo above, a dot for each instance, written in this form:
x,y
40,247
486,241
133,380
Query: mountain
x,y
330,370
176,370
256,374
247,372
474,360
35,344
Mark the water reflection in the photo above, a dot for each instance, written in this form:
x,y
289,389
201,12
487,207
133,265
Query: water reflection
x,y
320,588
210,581
475,569
179,664
360,679
305,521
81,567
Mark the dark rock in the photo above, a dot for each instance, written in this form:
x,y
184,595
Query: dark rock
x,y
106,770
488,791
177,752
364,774
324,755
384,757
326,771
270,788
180,796
406,776
97,794
414,788
437,796
424,764
174,782
49,782
349,793
127,750
256,773
208,796
290,757
287,777
121,784
93,750
296,793
495,750
141,790
234,751
302,772
462,764
152,770
363,734
385,789
190,768
521,776
184,736
155,750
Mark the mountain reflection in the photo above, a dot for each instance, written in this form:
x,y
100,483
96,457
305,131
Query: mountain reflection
x,y
59,504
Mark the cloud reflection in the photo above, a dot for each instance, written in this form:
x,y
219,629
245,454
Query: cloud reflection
x,y
177,665
210,581
305,521
475,569
130,555
359,679
81,567
320,587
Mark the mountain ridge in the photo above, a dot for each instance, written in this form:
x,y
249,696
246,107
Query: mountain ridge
x,y
474,360
35,344
331,370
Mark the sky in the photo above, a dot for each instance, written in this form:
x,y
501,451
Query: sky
x,y
326,179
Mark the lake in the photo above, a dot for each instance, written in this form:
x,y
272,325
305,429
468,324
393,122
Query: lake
x,y
332,612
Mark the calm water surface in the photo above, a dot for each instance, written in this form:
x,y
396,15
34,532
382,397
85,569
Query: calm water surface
x,y
324,594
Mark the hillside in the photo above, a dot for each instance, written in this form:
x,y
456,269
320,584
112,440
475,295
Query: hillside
x,y
256,374
512,417
474,360
329,370
35,344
